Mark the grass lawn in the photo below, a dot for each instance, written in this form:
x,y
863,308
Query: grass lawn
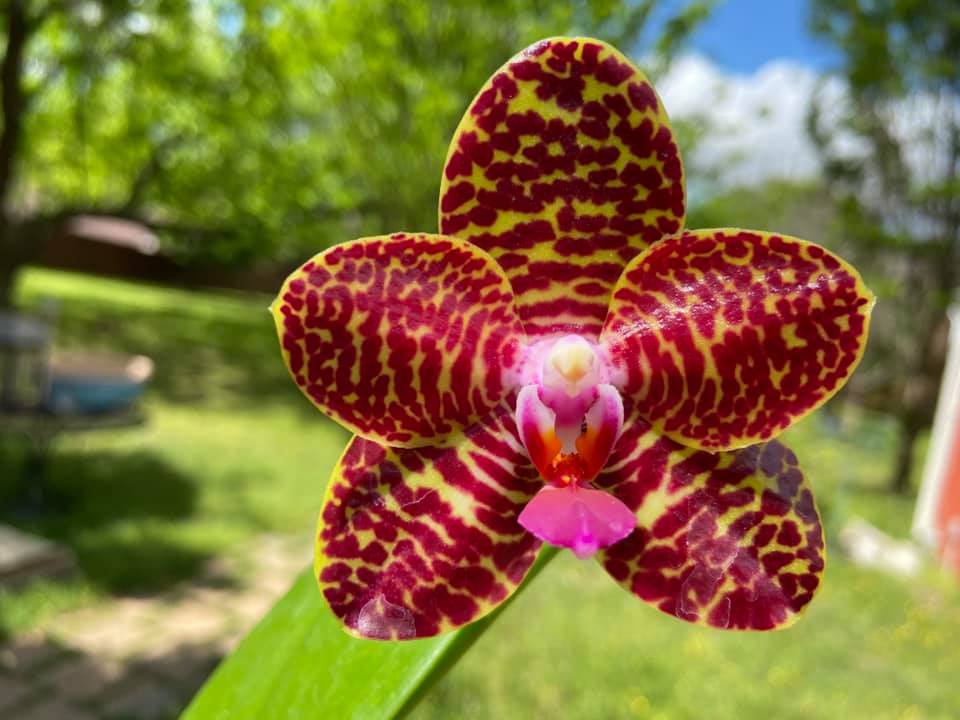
x,y
231,450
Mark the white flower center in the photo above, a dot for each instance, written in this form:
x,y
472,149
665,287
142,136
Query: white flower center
x,y
571,366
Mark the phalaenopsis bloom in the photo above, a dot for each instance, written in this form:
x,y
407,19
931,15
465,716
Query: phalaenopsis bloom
x,y
565,363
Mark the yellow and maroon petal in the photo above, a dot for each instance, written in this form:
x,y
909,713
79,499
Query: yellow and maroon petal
x,y
416,542
731,540
563,168
404,339
726,337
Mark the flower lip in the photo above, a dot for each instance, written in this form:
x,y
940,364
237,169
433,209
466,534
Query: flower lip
x,y
581,519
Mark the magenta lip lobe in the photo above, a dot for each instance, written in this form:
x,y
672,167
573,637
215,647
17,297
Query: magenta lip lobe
x,y
581,519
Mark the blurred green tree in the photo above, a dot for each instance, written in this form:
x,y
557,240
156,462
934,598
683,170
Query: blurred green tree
x,y
244,129
800,208
891,149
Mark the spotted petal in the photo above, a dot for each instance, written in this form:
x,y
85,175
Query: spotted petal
x,y
726,337
563,168
731,539
404,339
416,542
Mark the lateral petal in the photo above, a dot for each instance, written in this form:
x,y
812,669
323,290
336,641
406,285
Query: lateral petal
x,y
732,540
405,339
726,337
416,542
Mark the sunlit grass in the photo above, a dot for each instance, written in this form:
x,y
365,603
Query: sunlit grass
x,y
577,646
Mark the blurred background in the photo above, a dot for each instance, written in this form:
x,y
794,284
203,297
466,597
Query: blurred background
x,y
164,164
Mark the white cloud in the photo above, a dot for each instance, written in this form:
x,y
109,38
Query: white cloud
x,y
755,124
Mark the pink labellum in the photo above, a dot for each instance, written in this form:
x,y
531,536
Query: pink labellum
x,y
580,519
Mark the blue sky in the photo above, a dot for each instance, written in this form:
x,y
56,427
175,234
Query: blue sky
x,y
742,35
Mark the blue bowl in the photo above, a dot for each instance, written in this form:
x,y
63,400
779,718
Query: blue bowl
x,y
86,396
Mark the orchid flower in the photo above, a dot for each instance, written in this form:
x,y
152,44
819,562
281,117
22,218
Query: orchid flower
x,y
566,364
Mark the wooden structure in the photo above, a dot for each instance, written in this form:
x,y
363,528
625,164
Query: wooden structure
x,y
114,247
936,522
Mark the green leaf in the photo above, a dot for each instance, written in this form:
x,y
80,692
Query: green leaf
x,y
298,663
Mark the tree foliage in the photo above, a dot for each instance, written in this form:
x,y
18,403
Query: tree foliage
x,y
242,129
891,149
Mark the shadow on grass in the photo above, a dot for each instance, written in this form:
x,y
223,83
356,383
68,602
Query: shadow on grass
x,y
141,564
113,510
50,679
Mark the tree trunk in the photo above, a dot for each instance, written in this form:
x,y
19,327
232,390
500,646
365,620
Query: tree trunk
x,y
900,480
11,93
13,103
8,278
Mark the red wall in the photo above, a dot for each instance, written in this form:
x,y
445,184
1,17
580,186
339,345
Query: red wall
x,y
948,507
